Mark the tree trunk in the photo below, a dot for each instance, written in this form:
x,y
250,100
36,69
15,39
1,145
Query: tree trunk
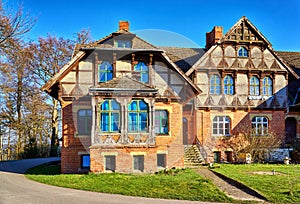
x,y
54,135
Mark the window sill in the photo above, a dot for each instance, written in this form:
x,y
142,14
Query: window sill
x,y
81,135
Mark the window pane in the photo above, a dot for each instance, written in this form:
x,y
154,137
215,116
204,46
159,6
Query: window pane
x,y
144,77
104,122
115,105
132,120
138,162
110,163
85,161
105,105
143,121
143,105
115,121
132,105
161,160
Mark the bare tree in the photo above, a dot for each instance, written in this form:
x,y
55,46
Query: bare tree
x,y
50,55
13,26
247,141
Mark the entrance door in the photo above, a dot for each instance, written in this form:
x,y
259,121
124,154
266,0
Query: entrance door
x,y
291,130
185,133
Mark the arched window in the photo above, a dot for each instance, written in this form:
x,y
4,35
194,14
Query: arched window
x,y
254,86
142,72
137,116
260,125
243,52
105,71
84,121
228,85
215,84
221,125
109,116
267,86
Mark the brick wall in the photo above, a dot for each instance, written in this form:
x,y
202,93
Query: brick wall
x,y
240,122
72,145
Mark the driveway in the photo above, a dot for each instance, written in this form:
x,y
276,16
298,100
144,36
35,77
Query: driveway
x,y
15,188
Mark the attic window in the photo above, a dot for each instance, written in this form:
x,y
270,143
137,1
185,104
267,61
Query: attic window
x,y
243,52
123,43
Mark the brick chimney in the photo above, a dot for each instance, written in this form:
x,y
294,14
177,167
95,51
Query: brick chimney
x,y
213,36
123,25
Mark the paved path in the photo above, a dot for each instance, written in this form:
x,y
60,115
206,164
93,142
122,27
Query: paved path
x,y
227,187
16,189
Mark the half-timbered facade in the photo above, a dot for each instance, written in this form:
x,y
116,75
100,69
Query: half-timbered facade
x,y
122,101
129,106
244,87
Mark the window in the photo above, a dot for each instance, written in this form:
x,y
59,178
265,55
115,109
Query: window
x,y
123,44
138,162
215,84
260,125
110,163
217,157
85,161
137,116
161,160
228,85
105,71
243,52
84,121
267,86
254,86
109,116
221,125
161,122
142,72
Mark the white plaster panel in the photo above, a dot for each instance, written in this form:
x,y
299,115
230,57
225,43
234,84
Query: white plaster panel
x,y
256,62
217,52
256,53
242,84
123,65
85,65
243,62
70,77
202,82
280,82
68,88
229,51
230,61
85,77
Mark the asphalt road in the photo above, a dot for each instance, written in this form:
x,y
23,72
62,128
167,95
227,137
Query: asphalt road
x,y
16,189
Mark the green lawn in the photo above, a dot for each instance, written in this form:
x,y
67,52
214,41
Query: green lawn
x,y
283,187
176,184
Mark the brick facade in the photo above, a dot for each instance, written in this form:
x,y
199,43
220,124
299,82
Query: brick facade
x,y
162,85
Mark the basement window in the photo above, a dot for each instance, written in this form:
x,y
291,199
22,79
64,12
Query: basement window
x,y
110,163
138,163
161,160
85,161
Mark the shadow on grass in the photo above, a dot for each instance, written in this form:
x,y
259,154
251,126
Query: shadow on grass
x,y
50,168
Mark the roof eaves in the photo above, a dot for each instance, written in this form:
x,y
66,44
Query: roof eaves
x,y
181,72
62,71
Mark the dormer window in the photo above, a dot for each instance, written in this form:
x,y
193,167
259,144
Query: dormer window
x,y
105,71
123,43
243,52
142,72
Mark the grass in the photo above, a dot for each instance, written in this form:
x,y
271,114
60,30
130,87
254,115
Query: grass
x,y
282,187
173,184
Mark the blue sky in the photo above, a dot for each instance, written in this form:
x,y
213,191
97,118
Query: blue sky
x,y
184,21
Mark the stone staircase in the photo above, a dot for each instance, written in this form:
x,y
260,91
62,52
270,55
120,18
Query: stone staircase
x,y
192,156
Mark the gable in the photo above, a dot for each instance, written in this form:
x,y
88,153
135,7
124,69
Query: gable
x,y
245,31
